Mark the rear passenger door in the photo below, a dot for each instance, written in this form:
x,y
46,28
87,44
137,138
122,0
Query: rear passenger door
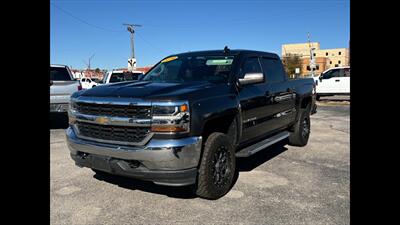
x,y
344,81
280,94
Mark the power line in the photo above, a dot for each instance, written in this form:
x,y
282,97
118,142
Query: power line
x,y
151,45
83,21
101,28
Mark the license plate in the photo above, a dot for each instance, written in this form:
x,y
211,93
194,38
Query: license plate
x,y
100,163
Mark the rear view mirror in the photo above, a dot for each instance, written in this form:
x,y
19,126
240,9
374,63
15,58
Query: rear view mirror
x,y
251,78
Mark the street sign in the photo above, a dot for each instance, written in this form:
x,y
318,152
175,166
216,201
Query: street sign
x,y
131,64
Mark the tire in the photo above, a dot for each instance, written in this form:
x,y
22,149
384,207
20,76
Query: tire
x,y
301,133
318,97
217,167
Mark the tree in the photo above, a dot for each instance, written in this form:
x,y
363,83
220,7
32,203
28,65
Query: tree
x,y
97,70
291,62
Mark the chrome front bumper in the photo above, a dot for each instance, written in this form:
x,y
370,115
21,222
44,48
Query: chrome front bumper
x,y
157,154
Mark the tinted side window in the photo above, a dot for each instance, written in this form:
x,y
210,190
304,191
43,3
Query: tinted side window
x,y
336,73
273,70
347,72
59,74
331,73
251,65
341,73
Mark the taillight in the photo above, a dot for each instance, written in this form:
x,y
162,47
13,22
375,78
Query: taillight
x,y
79,87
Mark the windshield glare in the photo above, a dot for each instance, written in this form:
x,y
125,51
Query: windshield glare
x,y
191,68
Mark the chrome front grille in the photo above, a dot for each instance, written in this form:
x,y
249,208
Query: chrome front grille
x,y
129,111
119,121
113,133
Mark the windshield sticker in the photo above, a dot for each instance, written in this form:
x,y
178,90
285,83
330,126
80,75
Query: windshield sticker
x,y
169,59
219,62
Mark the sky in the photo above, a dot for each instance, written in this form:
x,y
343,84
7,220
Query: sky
x,y
80,29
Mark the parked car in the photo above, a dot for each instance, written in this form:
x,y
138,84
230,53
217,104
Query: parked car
x,y
62,85
189,118
88,83
121,76
334,81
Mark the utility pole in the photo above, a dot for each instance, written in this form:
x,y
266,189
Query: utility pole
x,y
88,64
312,58
132,60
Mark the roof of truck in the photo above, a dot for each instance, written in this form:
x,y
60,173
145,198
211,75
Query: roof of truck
x,y
231,52
126,71
58,65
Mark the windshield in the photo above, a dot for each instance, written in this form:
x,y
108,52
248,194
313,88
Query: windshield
x,y
191,68
59,74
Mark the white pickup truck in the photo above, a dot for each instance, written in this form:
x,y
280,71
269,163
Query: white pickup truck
x,y
334,81
121,76
62,85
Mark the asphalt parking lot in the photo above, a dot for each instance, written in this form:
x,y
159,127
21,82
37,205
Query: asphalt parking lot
x,y
279,185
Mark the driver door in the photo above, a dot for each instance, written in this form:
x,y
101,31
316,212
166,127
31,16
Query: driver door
x,y
328,84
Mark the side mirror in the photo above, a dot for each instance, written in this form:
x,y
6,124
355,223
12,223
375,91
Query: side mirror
x,y
320,78
251,78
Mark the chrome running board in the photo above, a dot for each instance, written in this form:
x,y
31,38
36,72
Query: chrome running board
x,y
248,151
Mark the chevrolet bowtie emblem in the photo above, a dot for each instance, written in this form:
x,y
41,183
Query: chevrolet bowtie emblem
x,y
102,120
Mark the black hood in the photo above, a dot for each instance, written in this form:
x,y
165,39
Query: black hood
x,y
152,90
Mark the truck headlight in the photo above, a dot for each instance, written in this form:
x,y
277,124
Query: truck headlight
x,y
170,117
72,109
72,105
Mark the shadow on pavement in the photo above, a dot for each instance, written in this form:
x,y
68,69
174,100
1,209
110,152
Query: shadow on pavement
x,y
58,120
147,186
259,158
242,164
251,162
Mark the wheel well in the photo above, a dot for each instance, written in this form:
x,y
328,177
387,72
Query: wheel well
x,y
305,102
220,124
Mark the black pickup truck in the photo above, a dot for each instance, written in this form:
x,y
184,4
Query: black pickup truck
x,y
189,117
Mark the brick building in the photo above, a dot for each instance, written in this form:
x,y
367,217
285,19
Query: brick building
x,y
325,58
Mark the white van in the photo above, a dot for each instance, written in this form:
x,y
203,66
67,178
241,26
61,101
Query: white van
x,y
334,81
